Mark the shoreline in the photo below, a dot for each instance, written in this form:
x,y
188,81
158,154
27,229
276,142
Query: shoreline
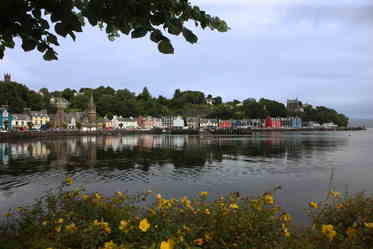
x,y
50,134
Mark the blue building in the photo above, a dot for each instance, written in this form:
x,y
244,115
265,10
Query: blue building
x,y
6,118
296,122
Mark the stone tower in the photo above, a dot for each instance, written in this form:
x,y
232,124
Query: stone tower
x,y
91,111
60,115
7,77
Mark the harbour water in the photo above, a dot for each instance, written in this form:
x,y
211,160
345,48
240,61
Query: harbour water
x,y
304,164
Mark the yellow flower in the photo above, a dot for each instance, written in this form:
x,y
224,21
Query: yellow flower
x,y
268,198
368,224
335,194
109,245
351,232
285,230
85,197
60,221
97,196
44,223
8,214
124,226
233,206
256,204
144,225
199,242
119,194
203,194
71,228
69,181
104,226
169,244
57,229
313,204
285,217
328,231
208,236
207,211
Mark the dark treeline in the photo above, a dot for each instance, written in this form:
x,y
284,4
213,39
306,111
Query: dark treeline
x,y
187,103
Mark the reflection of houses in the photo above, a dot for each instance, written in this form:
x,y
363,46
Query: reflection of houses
x,y
4,153
5,118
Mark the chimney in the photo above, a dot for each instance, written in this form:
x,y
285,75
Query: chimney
x,y
7,77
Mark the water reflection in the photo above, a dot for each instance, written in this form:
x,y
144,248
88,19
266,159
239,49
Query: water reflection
x,y
272,153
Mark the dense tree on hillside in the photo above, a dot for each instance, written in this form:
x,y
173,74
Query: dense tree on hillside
x,y
187,103
33,21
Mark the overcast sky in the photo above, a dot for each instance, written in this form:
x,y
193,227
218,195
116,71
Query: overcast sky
x,y
318,51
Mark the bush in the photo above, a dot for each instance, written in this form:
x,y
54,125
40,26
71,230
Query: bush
x,y
73,219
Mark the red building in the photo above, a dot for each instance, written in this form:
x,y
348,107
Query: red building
x,y
224,124
272,122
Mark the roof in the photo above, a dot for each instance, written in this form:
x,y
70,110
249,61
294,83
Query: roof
x,y
21,116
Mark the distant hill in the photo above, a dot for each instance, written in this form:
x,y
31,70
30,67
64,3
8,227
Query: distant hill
x,y
359,122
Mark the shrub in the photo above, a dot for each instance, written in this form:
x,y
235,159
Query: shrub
x,y
73,219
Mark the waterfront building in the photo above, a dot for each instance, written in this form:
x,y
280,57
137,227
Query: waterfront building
x,y
6,118
329,125
271,122
208,123
21,121
255,123
104,123
178,123
117,122
39,119
311,124
294,105
61,104
193,123
296,122
145,122
130,123
73,118
225,124
157,123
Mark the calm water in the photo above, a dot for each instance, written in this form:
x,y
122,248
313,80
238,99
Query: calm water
x,y
301,163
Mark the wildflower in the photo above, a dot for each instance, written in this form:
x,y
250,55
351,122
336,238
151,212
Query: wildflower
x,y
60,221
109,245
71,228
9,214
268,198
85,197
339,206
368,224
44,223
158,196
69,181
207,211
313,204
208,236
256,204
203,194
328,231
199,242
285,217
97,196
124,226
169,244
104,226
144,225
351,232
119,194
285,230
233,206
57,229
335,194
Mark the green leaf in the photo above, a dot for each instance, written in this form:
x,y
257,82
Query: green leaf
x,y
42,47
36,13
165,47
60,29
9,43
1,52
139,32
50,55
28,44
156,35
189,36
71,33
174,29
53,39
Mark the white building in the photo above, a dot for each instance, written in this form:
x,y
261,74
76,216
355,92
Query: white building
x,y
130,123
178,122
